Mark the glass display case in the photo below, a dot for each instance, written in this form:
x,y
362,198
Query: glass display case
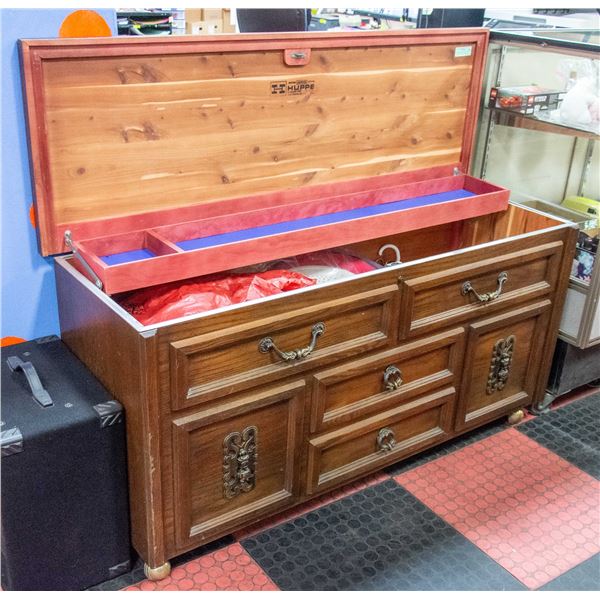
x,y
538,136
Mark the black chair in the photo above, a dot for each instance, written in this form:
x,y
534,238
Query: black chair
x,y
254,20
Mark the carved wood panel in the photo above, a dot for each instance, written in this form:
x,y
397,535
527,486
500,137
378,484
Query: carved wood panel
x,y
236,463
502,362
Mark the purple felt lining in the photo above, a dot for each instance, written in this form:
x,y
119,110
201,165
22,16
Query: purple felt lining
x,y
288,226
337,217
126,257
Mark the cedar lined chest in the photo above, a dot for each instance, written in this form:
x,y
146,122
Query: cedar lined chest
x,y
191,156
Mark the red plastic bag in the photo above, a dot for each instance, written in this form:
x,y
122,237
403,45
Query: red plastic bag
x,y
174,300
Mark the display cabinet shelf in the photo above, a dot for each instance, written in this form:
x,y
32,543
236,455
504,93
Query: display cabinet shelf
x,y
544,161
511,118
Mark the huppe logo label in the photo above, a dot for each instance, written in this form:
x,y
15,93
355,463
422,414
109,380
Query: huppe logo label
x,y
292,88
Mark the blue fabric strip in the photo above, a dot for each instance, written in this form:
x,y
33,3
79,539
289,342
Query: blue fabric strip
x,y
129,256
287,226
338,217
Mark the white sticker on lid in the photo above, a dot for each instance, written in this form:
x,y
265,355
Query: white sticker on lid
x,y
462,51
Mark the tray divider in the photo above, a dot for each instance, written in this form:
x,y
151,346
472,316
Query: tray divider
x,y
159,244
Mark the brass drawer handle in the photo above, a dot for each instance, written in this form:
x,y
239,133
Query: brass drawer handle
x,y
392,378
386,440
487,297
267,344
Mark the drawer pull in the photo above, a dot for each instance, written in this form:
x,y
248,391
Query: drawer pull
x,y
386,440
267,344
487,297
392,378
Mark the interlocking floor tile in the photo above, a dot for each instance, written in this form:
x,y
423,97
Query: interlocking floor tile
x,y
573,396
527,508
322,500
568,447
227,569
583,577
571,431
446,448
380,538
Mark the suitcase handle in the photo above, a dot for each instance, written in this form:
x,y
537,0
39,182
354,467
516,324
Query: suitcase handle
x,y
37,389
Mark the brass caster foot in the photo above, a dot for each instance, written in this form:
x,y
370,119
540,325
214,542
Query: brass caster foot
x,y
157,573
516,417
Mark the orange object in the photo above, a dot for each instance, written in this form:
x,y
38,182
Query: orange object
x,y
32,216
9,340
84,23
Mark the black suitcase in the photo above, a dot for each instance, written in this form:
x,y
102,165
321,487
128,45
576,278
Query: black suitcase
x,y
65,522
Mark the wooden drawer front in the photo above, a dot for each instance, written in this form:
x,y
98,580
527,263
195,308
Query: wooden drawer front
x,y
353,390
348,452
229,360
437,300
502,361
256,435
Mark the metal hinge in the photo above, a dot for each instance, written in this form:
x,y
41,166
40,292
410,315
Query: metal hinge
x,y
86,266
456,171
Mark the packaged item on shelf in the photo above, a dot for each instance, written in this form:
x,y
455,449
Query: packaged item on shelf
x,y
525,99
585,254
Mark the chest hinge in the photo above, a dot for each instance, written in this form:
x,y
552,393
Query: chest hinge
x,y
86,266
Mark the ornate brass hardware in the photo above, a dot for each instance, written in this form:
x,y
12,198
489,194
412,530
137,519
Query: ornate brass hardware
x,y
488,296
239,461
386,440
267,344
392,378
502,356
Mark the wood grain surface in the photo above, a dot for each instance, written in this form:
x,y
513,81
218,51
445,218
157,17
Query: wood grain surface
x,y
334,401
124,128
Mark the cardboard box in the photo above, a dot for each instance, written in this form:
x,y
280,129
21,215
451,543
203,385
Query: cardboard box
x,y
204,27
193,14
212,14
525,99
228,21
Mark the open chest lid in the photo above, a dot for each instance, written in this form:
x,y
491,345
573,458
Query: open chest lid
x,y
130,133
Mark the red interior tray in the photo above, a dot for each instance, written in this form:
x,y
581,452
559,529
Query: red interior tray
x,y
155,256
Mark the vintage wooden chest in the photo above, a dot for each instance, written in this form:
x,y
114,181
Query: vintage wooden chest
x,y
160,159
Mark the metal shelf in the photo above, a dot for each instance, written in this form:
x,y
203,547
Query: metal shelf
x,y
511,118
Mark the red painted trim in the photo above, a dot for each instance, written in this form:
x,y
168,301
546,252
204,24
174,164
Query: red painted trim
x,y
175,266
160,220
87,47
32,85
245,219
473,103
